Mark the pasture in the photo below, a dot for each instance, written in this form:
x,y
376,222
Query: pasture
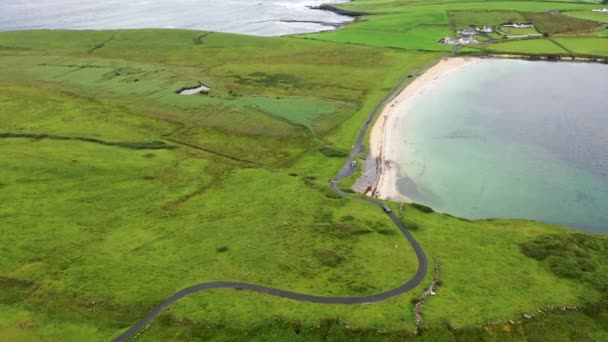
x,y
117,191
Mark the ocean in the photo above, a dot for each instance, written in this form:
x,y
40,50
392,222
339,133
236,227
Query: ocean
x,y
254,17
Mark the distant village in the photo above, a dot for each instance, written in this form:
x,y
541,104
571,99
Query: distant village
x,y
467,36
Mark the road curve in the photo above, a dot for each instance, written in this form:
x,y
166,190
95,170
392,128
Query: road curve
x,y
346,171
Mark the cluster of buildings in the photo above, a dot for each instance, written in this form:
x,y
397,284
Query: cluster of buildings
x,y
602,10
467,36
458,41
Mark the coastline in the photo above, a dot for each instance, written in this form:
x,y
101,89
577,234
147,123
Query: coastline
x,y
382,167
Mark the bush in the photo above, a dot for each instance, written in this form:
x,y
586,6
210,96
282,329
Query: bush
x,y
535,251
331,152
329,193
329,257
345,230
563,267
570,255
410,224
423,208
586,265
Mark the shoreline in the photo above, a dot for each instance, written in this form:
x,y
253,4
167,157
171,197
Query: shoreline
x,y
379,178
331,7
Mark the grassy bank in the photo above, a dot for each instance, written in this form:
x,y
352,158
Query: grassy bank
x,y
96,232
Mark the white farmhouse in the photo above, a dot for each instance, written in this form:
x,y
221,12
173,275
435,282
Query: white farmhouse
x,y
467,40
603,10
519,25
485,29
468,31
458,41
449,41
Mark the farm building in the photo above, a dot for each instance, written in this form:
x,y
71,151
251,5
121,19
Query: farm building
x,y
468,31
519,25
485,29
458,41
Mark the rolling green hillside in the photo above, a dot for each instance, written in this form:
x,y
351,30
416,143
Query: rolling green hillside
x,y
118,192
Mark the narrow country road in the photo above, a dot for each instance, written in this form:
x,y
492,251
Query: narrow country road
x,y
346,171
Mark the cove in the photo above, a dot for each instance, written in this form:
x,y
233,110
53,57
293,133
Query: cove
x,y
509,139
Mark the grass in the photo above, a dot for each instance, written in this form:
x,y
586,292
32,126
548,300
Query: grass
x,y
553,24
529,46
95,234
595,46
462,18
415,38
512,31
321,87
416,26
588,15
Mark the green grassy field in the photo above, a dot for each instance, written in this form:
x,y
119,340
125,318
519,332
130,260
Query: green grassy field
x,y
418,26
532,46
588,15
511,31
596,46
552,24
118,192
602,34
463,18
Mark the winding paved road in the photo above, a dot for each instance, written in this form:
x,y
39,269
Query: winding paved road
x,y
346,171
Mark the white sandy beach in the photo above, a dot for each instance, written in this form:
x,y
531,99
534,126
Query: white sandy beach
x,y
385,136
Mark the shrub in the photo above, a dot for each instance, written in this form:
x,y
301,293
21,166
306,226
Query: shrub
x,y
423,208
586,265
349,229
329,193
563,267
329,257
535,251
331,152
570,256
410,224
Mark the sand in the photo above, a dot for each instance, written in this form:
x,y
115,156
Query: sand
x,y
385,137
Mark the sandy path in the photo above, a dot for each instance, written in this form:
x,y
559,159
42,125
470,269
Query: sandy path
x,y
385,137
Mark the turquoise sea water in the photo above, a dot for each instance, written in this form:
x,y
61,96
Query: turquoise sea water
x,y
511,139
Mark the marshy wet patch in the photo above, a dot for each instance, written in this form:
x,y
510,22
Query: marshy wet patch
x,y
200,89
